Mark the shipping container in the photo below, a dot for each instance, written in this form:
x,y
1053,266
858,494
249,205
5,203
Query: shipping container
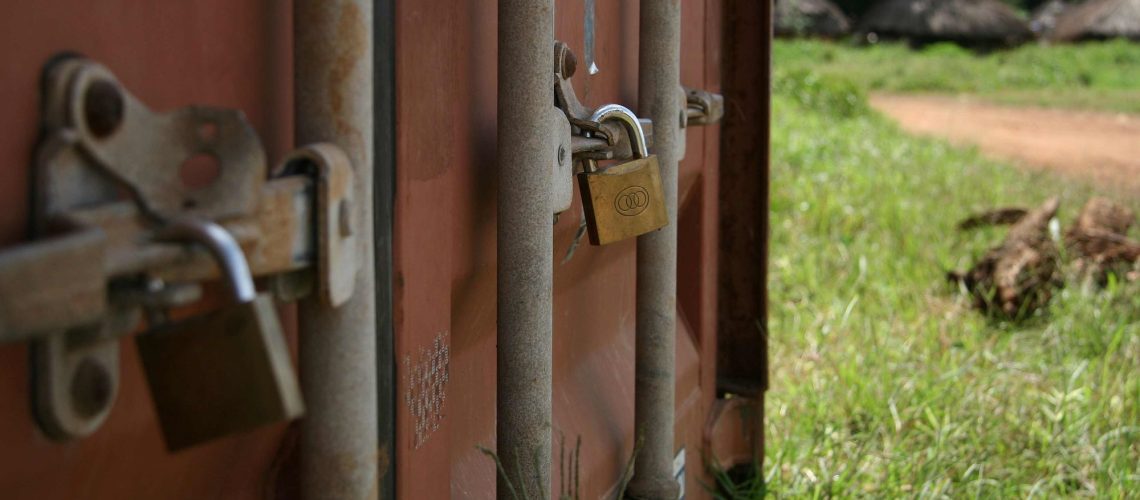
x,y
404,393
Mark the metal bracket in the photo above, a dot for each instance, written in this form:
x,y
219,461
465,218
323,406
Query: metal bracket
x,y
703,107
337,249
562,176
698,107
145,151
108,172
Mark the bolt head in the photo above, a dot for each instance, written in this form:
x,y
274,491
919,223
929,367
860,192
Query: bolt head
x,y
569,64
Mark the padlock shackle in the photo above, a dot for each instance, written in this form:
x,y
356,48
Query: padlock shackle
x,y
629,121
222,246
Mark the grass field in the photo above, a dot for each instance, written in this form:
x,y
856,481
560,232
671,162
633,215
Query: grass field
x,y
885,383
1095,75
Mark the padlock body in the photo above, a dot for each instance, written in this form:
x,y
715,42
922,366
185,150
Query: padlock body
x,y
623,201
220,373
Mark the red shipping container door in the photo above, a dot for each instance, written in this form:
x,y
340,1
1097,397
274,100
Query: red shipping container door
x,y
441,362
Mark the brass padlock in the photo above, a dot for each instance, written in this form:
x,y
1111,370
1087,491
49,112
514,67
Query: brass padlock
x,y
225,371
624,200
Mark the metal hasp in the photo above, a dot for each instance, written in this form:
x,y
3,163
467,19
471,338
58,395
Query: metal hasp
x,y
659,78
592,141
596,138
742,327
109,178
333,86
525,239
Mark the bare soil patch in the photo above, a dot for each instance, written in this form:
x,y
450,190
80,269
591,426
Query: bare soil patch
x,y
1101,147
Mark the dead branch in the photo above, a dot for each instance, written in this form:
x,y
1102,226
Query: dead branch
x,y
996,217
1098,240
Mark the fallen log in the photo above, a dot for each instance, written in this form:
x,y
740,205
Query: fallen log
x,y
1019,276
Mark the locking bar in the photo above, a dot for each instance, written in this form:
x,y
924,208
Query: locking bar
x,y
108,175
71,271
525,238
659,53
333,56
68,290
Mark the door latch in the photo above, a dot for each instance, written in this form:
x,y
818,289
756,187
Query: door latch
x,y
592,141
108,176
589,141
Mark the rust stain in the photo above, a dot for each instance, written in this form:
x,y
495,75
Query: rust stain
x,y
351,48
349,466
276,224
383,460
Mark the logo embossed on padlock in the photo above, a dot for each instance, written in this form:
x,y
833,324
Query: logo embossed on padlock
x,y
225,371
624,200
631,201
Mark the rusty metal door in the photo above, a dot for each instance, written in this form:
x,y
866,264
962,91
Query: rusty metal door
x,y
435,189
444,275
233,54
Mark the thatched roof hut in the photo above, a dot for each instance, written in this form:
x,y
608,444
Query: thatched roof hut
x,y
1044,18
968,22
1098,20
810,18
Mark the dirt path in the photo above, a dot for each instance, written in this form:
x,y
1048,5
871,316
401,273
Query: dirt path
x,y
1103,147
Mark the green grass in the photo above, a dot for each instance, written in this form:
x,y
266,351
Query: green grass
x,y
1100,75
884,382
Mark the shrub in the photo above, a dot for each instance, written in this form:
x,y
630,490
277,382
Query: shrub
x,y
828,94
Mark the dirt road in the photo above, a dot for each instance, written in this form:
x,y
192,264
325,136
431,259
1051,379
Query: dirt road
x,y
1102,147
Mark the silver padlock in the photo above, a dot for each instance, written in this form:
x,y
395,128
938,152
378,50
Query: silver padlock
x,y
225,371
